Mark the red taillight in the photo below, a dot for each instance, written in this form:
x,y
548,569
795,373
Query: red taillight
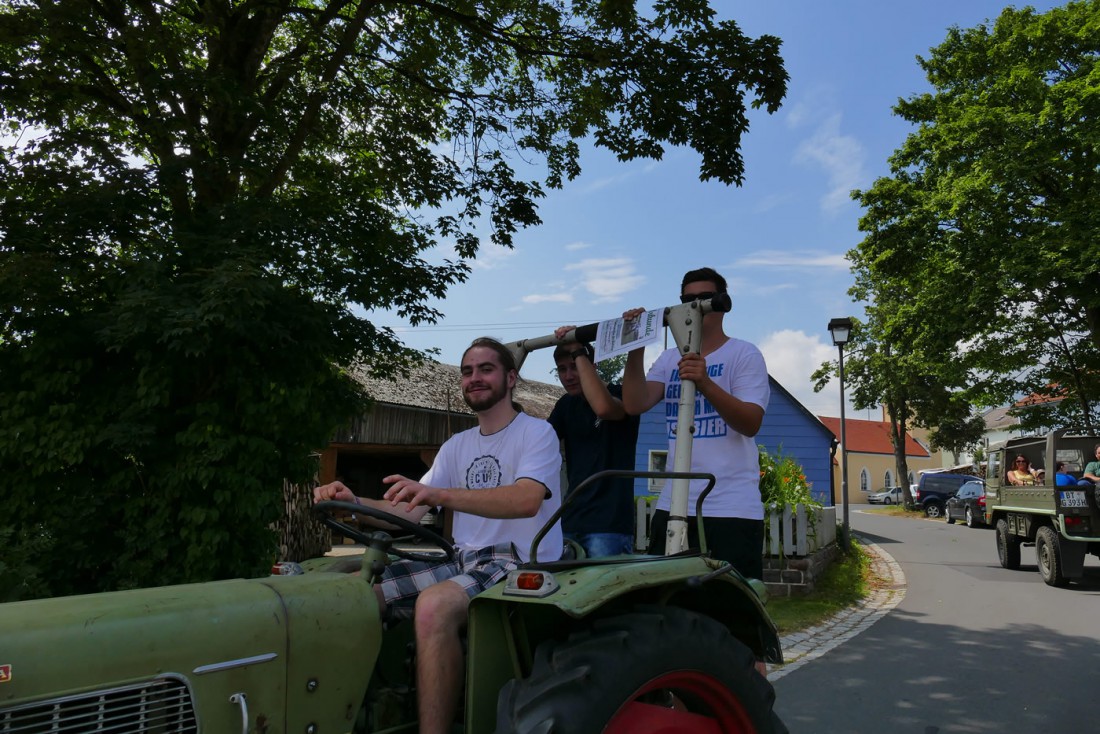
x,y
535,584
981,500
1075,523
529,581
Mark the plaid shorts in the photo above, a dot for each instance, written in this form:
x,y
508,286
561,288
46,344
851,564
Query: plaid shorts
x,y
473,570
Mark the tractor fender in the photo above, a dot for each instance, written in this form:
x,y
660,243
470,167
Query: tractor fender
x,y
505,628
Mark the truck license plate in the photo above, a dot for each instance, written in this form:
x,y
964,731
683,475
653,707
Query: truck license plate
x,y
1073,499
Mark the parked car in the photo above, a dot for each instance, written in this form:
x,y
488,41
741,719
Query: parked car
x,y
891,496
968,504
936,487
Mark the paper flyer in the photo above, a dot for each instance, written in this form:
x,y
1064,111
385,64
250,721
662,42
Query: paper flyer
x,y
619,336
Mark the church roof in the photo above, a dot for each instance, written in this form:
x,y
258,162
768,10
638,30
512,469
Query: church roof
x,y
871,437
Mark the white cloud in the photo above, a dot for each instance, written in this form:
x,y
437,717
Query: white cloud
x,y
548,298
608,279
574,246
796,259
772,201
606,182
492,257
797,113
792,356
842,158
764,290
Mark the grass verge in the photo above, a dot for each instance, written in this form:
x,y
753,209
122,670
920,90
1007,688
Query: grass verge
x,y
914,513
844,583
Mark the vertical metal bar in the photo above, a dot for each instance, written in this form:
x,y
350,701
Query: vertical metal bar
x,y
843,458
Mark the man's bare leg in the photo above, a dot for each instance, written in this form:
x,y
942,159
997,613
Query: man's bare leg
x,y
441,612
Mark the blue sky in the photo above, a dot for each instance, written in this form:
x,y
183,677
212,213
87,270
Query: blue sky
x,y
622,235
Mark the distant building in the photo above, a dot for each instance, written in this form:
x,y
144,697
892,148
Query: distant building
x,y
871,464
1003,423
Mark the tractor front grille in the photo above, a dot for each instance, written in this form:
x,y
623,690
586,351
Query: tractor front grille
x,y
161,706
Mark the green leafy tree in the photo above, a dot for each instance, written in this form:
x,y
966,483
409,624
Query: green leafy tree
x,y
872,378
611,369
783,484
892,363
202,202
990,208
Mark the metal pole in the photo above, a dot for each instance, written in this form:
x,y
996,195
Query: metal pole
x,y
843,458
676,533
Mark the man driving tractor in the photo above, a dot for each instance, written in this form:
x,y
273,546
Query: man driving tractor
x,y
501,481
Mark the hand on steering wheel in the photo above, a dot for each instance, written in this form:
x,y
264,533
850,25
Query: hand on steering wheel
x,y
327,511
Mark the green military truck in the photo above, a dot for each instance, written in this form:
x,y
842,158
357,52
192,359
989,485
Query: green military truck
x,y
1062,522
627,645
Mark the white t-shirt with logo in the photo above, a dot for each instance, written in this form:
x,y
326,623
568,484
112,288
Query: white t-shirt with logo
x,y
526,448
738,368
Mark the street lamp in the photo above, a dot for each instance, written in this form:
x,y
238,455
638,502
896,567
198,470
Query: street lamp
x,y
841,330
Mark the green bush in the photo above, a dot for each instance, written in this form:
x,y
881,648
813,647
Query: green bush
x,y
782,481
20,564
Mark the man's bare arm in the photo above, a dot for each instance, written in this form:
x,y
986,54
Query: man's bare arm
x,y
521,499
603,403
340,492
639,394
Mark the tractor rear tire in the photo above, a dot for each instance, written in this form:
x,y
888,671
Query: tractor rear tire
x,y
654,669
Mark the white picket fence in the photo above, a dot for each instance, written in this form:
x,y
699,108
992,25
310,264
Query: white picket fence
x,y
797,531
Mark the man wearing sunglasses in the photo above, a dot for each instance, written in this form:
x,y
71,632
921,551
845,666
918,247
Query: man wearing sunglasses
x,y
732,392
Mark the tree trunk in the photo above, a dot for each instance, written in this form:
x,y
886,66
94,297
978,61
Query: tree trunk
x,y
897,438
300,535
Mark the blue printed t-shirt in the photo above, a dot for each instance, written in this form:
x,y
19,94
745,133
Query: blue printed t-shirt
x,y
738,368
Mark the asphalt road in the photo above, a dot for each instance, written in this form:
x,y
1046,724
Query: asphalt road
x,y
971,648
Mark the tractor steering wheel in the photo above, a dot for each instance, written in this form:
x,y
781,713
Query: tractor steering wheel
x,y
327,510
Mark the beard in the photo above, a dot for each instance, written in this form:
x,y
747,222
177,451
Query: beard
x,y
485,400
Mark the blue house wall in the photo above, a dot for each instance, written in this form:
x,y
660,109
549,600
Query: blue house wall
x,y
788,427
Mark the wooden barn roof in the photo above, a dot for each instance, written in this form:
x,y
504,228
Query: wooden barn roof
x,y
435,386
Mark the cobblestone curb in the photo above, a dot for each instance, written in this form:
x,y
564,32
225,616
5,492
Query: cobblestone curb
x,y
801,647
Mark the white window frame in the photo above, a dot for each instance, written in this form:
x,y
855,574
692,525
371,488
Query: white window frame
x,y
864,480
657,461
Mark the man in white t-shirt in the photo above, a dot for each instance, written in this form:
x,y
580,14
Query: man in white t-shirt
x,y
501,481
732,387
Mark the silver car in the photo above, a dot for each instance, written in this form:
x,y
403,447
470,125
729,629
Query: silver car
x,y
886,497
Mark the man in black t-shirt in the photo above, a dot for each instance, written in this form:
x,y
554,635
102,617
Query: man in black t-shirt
x,y
598,435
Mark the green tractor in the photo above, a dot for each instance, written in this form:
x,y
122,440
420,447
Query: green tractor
x,y
623,644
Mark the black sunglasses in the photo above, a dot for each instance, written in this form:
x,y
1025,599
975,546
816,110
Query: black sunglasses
x,y
689,297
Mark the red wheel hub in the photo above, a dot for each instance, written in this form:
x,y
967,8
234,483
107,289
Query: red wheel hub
x,y
698,704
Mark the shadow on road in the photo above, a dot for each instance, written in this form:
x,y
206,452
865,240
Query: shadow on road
x,y
873,686
905,674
